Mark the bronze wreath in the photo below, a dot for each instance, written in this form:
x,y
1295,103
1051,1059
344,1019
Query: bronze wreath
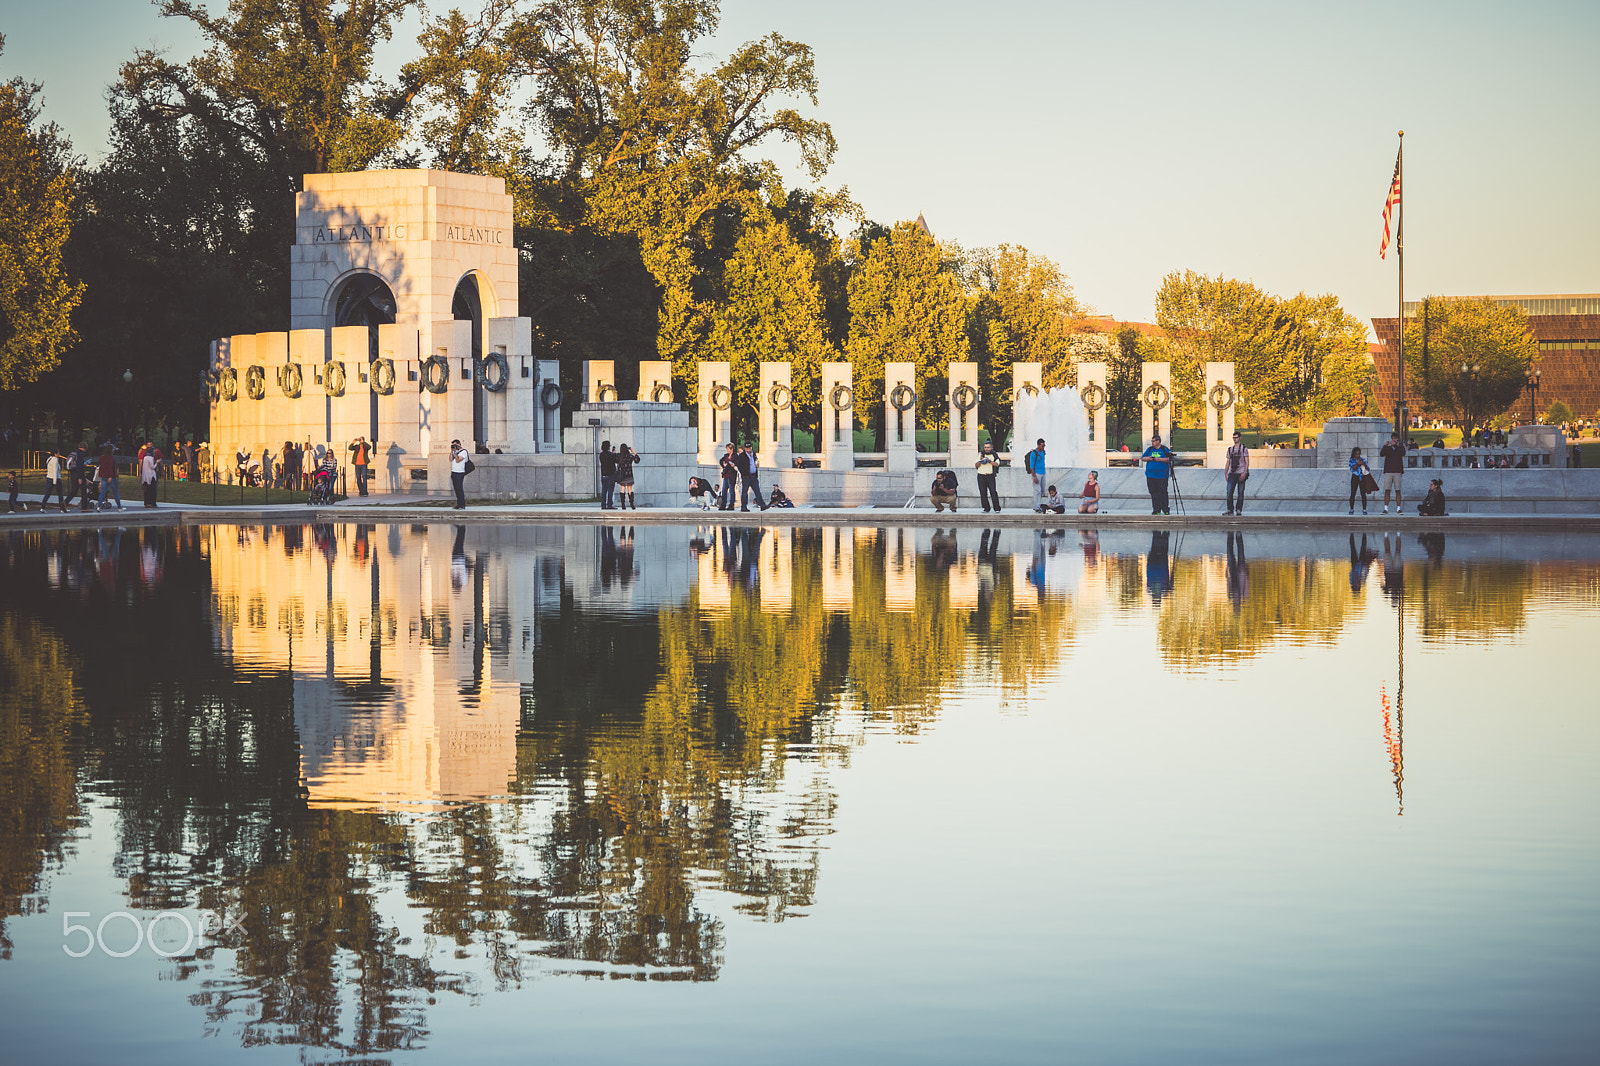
x,y
965,397
291,380
780,396
480,371
333,379
1094,397
1156,396
381,374
842,398
255,382
720,397
436,374
1221,396
655,393
902,397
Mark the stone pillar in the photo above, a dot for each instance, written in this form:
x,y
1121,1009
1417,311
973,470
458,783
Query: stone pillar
x,y
547,419
1095,402
509,413
349,415
655,381
837,429
777,566
272,410
838,557
963,423
447,415
716,410
1220,406
1026,379
775,449
1339,435
241,415
1153,420
308,416
600,381
398,442
900,416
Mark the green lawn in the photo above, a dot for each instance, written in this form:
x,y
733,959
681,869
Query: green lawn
x,y
179,492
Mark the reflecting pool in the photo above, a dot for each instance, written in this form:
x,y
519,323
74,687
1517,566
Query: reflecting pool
x,y
401,793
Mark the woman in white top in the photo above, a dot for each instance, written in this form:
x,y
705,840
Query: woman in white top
x,y
147,477
458,474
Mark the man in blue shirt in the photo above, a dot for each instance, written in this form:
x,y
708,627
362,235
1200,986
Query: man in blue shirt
x,y
1034,464
1157,460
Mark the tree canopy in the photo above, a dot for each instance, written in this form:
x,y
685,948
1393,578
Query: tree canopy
x,y
1476,358
37,191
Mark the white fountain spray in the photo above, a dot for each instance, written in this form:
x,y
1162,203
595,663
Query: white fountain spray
x,y
1059,417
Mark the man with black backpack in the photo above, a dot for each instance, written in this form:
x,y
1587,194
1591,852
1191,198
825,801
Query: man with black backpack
x,y
944,490
76,468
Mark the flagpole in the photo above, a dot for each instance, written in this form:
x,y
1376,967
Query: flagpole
x,y
1404,429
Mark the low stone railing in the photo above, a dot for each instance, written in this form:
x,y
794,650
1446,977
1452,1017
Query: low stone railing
x,y
1479,458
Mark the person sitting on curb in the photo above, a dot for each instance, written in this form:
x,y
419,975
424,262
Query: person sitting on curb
x,y
944,491
1089,499
1054,503
780,498
1432,505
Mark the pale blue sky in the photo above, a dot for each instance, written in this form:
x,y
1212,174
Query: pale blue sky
x,y
1127,140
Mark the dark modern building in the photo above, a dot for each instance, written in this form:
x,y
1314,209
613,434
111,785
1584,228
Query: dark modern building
x,y
1567,329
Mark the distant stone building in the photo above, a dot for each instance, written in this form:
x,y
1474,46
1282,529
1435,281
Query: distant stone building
x,y
1567,329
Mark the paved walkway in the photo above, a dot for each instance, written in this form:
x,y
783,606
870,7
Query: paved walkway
x,y
1315,514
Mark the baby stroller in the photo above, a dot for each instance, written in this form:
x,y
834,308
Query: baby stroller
x,y
321,486
701,492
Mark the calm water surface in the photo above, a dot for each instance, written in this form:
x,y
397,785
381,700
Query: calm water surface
x,y
406,793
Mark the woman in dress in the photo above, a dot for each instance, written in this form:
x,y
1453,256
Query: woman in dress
x,y
1089,499
626,457
1359,472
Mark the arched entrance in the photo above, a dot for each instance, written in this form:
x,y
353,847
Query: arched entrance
x,y
365,300
467,306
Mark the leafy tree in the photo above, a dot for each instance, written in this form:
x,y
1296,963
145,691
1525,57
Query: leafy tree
x,y
1557,413
37,297
1208,319
1021,309
904,307
771,309
1124,377
1478,355
1310,362
288,81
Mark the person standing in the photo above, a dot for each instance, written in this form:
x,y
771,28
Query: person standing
x,y
608,476
1238,471
77,464
52,482
988,465
730,476
458,474
188,461
147,476
1359,472
107,466
626,458
749,477
1034,464
361,459
1393,455
1157,460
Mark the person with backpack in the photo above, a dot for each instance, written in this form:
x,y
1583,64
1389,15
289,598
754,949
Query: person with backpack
x,y
76,472
1034,464
1237,466
944,491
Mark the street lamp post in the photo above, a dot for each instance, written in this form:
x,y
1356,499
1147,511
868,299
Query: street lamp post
x,y
1533,395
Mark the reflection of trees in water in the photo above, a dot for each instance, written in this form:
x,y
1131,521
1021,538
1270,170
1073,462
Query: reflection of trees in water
x,y
41,726
1294,601
1474,601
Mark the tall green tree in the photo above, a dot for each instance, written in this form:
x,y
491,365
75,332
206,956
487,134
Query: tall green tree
x,y
1021,309
771,308
1477,357
905,306
1310,362
37,297
1206,319
1123,376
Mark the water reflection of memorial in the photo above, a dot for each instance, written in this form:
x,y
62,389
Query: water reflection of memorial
x,y
580,749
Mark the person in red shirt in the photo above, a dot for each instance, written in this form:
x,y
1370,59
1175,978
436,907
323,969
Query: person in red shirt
x,y
107,464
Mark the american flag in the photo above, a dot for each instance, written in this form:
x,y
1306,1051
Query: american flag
x,y
1388,206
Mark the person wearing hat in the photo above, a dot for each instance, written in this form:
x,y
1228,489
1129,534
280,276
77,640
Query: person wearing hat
x,y
458,474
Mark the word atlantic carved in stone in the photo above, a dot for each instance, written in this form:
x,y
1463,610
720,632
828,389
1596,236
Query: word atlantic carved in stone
x,y
358,232
474,235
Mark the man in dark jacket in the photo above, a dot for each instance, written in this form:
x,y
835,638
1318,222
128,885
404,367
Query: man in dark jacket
x,y
608,475
1394,468
944,491
749,477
